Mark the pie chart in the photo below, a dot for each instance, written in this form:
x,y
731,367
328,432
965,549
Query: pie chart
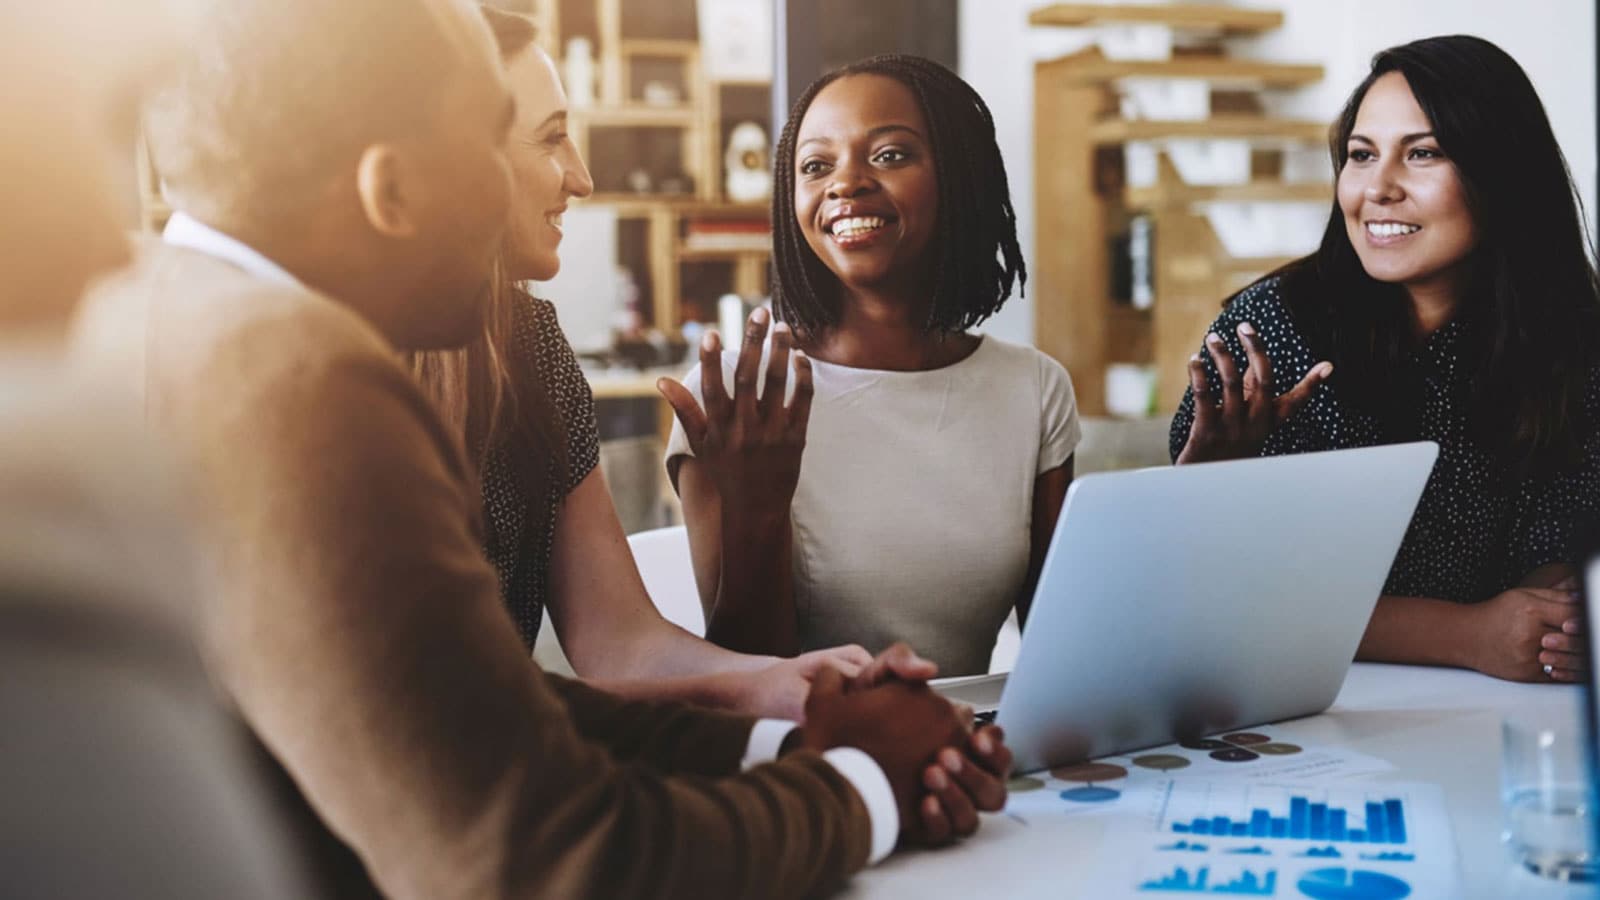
x,y
1091,794
1351,884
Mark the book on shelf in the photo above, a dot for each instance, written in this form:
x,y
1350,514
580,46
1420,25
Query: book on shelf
x,y
727,234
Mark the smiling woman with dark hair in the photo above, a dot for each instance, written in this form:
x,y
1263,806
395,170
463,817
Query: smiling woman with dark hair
x,y
935,460
1453,299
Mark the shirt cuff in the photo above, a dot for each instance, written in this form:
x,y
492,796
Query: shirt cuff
x,y
865,775
766,739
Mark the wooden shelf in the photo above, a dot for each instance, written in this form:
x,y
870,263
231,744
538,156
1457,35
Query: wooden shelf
x,y
1117,131
1251,192
659,47
699,254
741,82
638,116
690,206
635,205
1195,17
1252,266
630,385
701,210
1091,67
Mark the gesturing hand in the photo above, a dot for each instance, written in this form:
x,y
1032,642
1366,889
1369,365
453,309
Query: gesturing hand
x,y
1248,411
750,446
1522,630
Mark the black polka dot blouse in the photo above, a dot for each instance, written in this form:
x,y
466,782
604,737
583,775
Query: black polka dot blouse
x,y
1476,532
520,538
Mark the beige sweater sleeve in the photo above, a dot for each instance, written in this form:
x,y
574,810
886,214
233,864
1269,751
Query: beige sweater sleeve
x,y
361,632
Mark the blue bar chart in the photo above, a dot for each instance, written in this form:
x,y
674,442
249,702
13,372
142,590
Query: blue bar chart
x,y
1379,821
1181,881
1238,838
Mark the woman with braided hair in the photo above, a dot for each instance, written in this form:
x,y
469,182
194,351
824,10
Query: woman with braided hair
x,y
935,460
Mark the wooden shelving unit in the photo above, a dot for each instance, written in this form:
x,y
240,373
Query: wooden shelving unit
x,y
1091,67
675,274
1083,201
1120,131
1229,20
1260,190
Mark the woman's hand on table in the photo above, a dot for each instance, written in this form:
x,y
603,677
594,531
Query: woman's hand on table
x,y
750,446
1523,630
1236,425
779,691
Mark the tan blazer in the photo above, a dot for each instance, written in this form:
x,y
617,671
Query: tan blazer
x,y
360,631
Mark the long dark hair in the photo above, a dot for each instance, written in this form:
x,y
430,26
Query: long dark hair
x,y
1532,299
975,255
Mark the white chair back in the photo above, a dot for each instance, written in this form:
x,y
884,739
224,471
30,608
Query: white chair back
x,y
1007,645
663,558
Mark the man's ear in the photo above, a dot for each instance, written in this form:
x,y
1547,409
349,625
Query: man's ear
x,y
387,191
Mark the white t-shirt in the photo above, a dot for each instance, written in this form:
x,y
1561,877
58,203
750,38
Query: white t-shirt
x,y
914,507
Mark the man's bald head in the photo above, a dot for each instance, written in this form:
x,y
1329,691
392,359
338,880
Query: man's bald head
x,y
278,98
360,144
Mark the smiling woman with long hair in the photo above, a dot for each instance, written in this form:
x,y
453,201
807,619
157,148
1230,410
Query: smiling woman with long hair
x,y
1453,299
935,460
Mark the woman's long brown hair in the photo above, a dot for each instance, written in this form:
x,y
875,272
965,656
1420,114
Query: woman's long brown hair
x,y
490,392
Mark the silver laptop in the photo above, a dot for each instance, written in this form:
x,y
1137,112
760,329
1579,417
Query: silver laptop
x,y
1180,602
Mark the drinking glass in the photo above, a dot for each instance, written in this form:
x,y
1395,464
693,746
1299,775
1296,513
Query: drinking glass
x,y
1548,804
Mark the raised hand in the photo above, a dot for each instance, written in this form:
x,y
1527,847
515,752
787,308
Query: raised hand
x,y
1524,629
1237,424
750,446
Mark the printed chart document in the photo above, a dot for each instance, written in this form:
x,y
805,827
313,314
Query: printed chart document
x,y
1109,785
1355,841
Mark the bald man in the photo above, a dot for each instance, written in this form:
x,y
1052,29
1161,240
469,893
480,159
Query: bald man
x,y
340,177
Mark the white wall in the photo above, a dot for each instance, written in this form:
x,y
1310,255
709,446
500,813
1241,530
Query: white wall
x,y
1552,39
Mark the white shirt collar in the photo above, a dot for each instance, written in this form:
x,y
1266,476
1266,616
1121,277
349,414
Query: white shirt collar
x,y
183,230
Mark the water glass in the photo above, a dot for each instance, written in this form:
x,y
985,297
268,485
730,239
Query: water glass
x,y
1548,804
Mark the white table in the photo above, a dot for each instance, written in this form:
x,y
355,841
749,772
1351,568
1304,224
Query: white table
x,y
1434,725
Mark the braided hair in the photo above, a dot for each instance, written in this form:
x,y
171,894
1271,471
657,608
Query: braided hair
x,y
975,256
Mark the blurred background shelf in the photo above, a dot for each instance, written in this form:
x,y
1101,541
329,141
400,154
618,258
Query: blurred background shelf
x,y
1161,186
1119,131
1091,66
1260,190
1228,20
732,254
638,116
628,384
